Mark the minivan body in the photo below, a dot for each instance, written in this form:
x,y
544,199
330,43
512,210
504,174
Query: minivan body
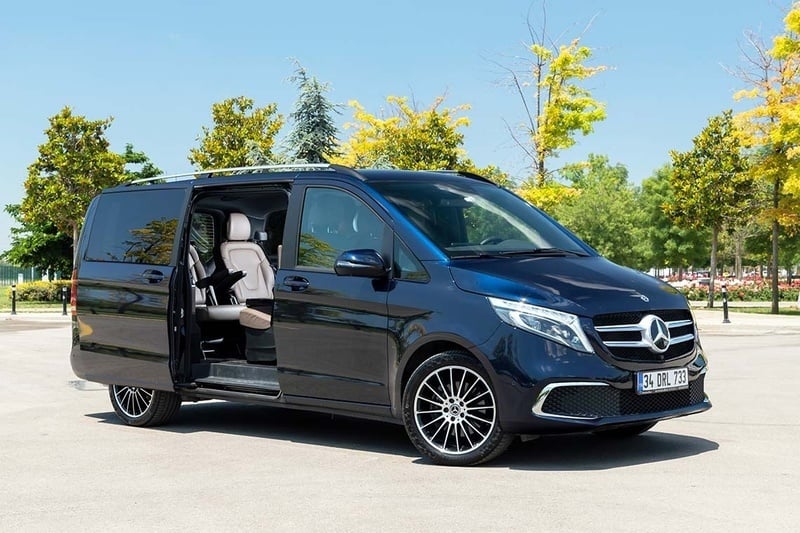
x,y
437,300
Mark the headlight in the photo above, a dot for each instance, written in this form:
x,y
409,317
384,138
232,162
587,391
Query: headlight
x,y
555,325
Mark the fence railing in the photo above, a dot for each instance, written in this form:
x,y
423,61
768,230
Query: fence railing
x,y
10,275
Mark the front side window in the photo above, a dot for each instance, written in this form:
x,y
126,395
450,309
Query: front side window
x,y
466,218
136,227
334,221
406,266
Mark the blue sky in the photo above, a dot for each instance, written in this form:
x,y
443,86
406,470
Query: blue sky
x,y
157,66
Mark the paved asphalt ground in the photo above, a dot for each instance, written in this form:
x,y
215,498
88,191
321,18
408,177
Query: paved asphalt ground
x,y
67,464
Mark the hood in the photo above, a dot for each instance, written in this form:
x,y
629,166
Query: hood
x,y
584,286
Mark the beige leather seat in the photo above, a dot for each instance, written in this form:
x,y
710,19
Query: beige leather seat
x,y
240,254
206,308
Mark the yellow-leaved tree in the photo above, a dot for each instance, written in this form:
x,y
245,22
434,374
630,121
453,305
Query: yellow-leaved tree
x,y
239,127
771,129
407,138
557,107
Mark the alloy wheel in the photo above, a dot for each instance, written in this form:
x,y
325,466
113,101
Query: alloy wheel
x,y
132,401
454,410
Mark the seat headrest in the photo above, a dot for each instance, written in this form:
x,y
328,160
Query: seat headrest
x,y
238,227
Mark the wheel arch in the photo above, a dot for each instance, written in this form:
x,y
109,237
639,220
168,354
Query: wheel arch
x,y
424,349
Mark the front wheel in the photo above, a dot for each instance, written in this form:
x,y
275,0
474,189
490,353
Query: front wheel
x,y
450,411
137,406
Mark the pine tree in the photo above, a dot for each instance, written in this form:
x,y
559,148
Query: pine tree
x,y
313,138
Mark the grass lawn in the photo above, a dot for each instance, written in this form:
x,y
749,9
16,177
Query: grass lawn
x,y
27,307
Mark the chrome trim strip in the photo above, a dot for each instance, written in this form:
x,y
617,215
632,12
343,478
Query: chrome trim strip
x,y
537,406
626,344
638,327
620,327
642,344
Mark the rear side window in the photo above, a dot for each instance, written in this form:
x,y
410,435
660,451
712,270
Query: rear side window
x,y
136,227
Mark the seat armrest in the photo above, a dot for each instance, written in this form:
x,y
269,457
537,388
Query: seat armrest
x,y
254,319
218,313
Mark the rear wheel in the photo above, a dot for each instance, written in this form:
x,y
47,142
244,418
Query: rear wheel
x,y
137,406
450,411
625,432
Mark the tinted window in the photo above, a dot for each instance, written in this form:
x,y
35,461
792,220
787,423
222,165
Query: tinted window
x,y
136,227
469,218
406,266
334,221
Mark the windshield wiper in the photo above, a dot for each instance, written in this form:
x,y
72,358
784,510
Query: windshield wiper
x,y
543,251
551,252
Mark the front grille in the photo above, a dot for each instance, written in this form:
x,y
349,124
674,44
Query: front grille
x,y
623,336
600,402
668,315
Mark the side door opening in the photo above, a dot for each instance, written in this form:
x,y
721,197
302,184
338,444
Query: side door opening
x,y
233,242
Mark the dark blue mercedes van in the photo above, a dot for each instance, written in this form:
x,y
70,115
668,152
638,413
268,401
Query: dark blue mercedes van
x,y
437,300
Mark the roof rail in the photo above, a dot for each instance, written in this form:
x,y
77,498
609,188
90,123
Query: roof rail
x,y
467,174
207,173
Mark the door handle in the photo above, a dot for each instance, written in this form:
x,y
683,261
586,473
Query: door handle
x,y
296,283
153,276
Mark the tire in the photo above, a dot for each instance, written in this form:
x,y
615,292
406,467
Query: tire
x,y
141,407
625,432
450,411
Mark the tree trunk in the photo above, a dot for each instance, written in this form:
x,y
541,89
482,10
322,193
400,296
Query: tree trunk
x,y
774,268
540,173
776,191
739,247
713,273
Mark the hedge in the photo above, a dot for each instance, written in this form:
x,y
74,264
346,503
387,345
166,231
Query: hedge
x,y
745,293
40,291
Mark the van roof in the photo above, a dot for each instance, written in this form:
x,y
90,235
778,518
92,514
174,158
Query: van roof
x,y
284,173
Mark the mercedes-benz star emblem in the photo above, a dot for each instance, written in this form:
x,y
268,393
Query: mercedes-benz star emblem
x,y
655,333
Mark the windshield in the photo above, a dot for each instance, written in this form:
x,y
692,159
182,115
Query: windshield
x,y
468,218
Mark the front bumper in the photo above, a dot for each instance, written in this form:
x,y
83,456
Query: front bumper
x,y
545,388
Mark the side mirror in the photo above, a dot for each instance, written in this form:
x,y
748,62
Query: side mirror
x,y
361,263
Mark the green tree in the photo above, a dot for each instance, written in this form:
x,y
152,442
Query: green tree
x,y
73,166
407,138
146,168
557,107
314,136
38,245
665,243
710,184
772,128
41,245
237,127
603,212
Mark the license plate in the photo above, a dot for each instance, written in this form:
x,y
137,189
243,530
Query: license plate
x,y
662,380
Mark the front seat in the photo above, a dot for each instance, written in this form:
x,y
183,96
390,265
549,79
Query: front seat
x,y
239,254
205,299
